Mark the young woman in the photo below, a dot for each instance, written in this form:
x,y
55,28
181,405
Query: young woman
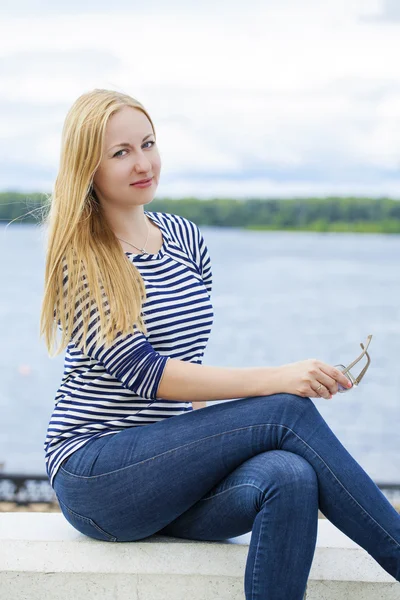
x,y
125,452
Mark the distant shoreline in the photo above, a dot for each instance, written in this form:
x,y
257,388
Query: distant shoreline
x,y
319,215
376,228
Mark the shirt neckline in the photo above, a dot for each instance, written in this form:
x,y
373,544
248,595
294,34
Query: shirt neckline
x,y
162,250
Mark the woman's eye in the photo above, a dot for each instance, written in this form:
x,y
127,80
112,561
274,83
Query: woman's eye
x,y
124,150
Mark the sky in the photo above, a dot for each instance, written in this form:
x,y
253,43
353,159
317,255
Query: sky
x,y
268,98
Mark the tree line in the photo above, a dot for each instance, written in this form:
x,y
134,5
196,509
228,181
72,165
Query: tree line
x,y
342,214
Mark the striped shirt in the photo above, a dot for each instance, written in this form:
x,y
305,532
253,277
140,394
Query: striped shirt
x,y
107,390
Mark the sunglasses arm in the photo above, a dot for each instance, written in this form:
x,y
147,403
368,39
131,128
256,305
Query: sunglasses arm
x,y
357,380
361,375
361,355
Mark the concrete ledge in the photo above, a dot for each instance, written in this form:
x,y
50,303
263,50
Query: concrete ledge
x,y
41,554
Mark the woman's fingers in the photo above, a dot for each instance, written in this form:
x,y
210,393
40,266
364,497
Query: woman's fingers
x,y
314,378
321,391
336,375
325,383
329,378
330,383
319,376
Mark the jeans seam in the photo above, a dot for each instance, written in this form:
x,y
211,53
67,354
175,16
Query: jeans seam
x,y
92,478
112,538
255,561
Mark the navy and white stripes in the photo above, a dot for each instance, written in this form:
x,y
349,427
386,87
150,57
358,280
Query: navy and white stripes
x,y
105,391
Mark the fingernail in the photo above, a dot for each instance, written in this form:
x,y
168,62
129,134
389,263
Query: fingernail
x,y
349,384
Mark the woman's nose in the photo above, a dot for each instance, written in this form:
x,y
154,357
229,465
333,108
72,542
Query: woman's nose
x,y
143,164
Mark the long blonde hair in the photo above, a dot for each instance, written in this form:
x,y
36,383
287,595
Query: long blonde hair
x,y
80,240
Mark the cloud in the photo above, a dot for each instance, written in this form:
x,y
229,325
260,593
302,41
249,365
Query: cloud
x,y
266,97
78,61
46,8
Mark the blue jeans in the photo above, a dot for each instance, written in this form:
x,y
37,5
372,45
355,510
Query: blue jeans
x,y
263,464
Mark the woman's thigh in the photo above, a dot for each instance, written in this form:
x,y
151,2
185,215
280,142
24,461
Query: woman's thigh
x,y
283,482
134,483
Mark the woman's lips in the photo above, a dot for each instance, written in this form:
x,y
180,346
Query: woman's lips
x,y
144,184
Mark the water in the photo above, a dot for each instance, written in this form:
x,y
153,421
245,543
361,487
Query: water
x,y
278,297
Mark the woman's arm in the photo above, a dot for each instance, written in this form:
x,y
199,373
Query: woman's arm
x,y
192,382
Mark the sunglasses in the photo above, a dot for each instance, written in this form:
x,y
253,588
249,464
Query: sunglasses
x,y
346,370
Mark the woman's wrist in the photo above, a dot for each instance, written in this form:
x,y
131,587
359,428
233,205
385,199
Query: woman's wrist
x,y
270,381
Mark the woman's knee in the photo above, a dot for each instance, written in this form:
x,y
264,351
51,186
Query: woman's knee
x,y
282,469
282,477
297,471
289,406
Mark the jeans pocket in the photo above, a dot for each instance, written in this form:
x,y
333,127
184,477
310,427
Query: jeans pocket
x,y
85,525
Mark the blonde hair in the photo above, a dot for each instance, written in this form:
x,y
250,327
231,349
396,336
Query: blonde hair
x,y
80,239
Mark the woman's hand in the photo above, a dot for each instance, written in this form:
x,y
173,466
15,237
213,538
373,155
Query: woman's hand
x,y
304,378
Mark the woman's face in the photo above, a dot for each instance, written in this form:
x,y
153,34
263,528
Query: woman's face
x,y
122,165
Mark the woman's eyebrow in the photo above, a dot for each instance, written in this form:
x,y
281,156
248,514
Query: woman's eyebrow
x,y
128,144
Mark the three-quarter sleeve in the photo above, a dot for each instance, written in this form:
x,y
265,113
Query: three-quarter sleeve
x,y
131,358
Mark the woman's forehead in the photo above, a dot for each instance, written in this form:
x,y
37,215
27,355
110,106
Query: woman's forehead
x,y
129,121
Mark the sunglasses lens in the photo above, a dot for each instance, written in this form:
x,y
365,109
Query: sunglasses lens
x,y
342,389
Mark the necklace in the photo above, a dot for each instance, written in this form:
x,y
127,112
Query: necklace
x,y
141,249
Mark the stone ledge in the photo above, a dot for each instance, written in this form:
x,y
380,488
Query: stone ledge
x,y
41,553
